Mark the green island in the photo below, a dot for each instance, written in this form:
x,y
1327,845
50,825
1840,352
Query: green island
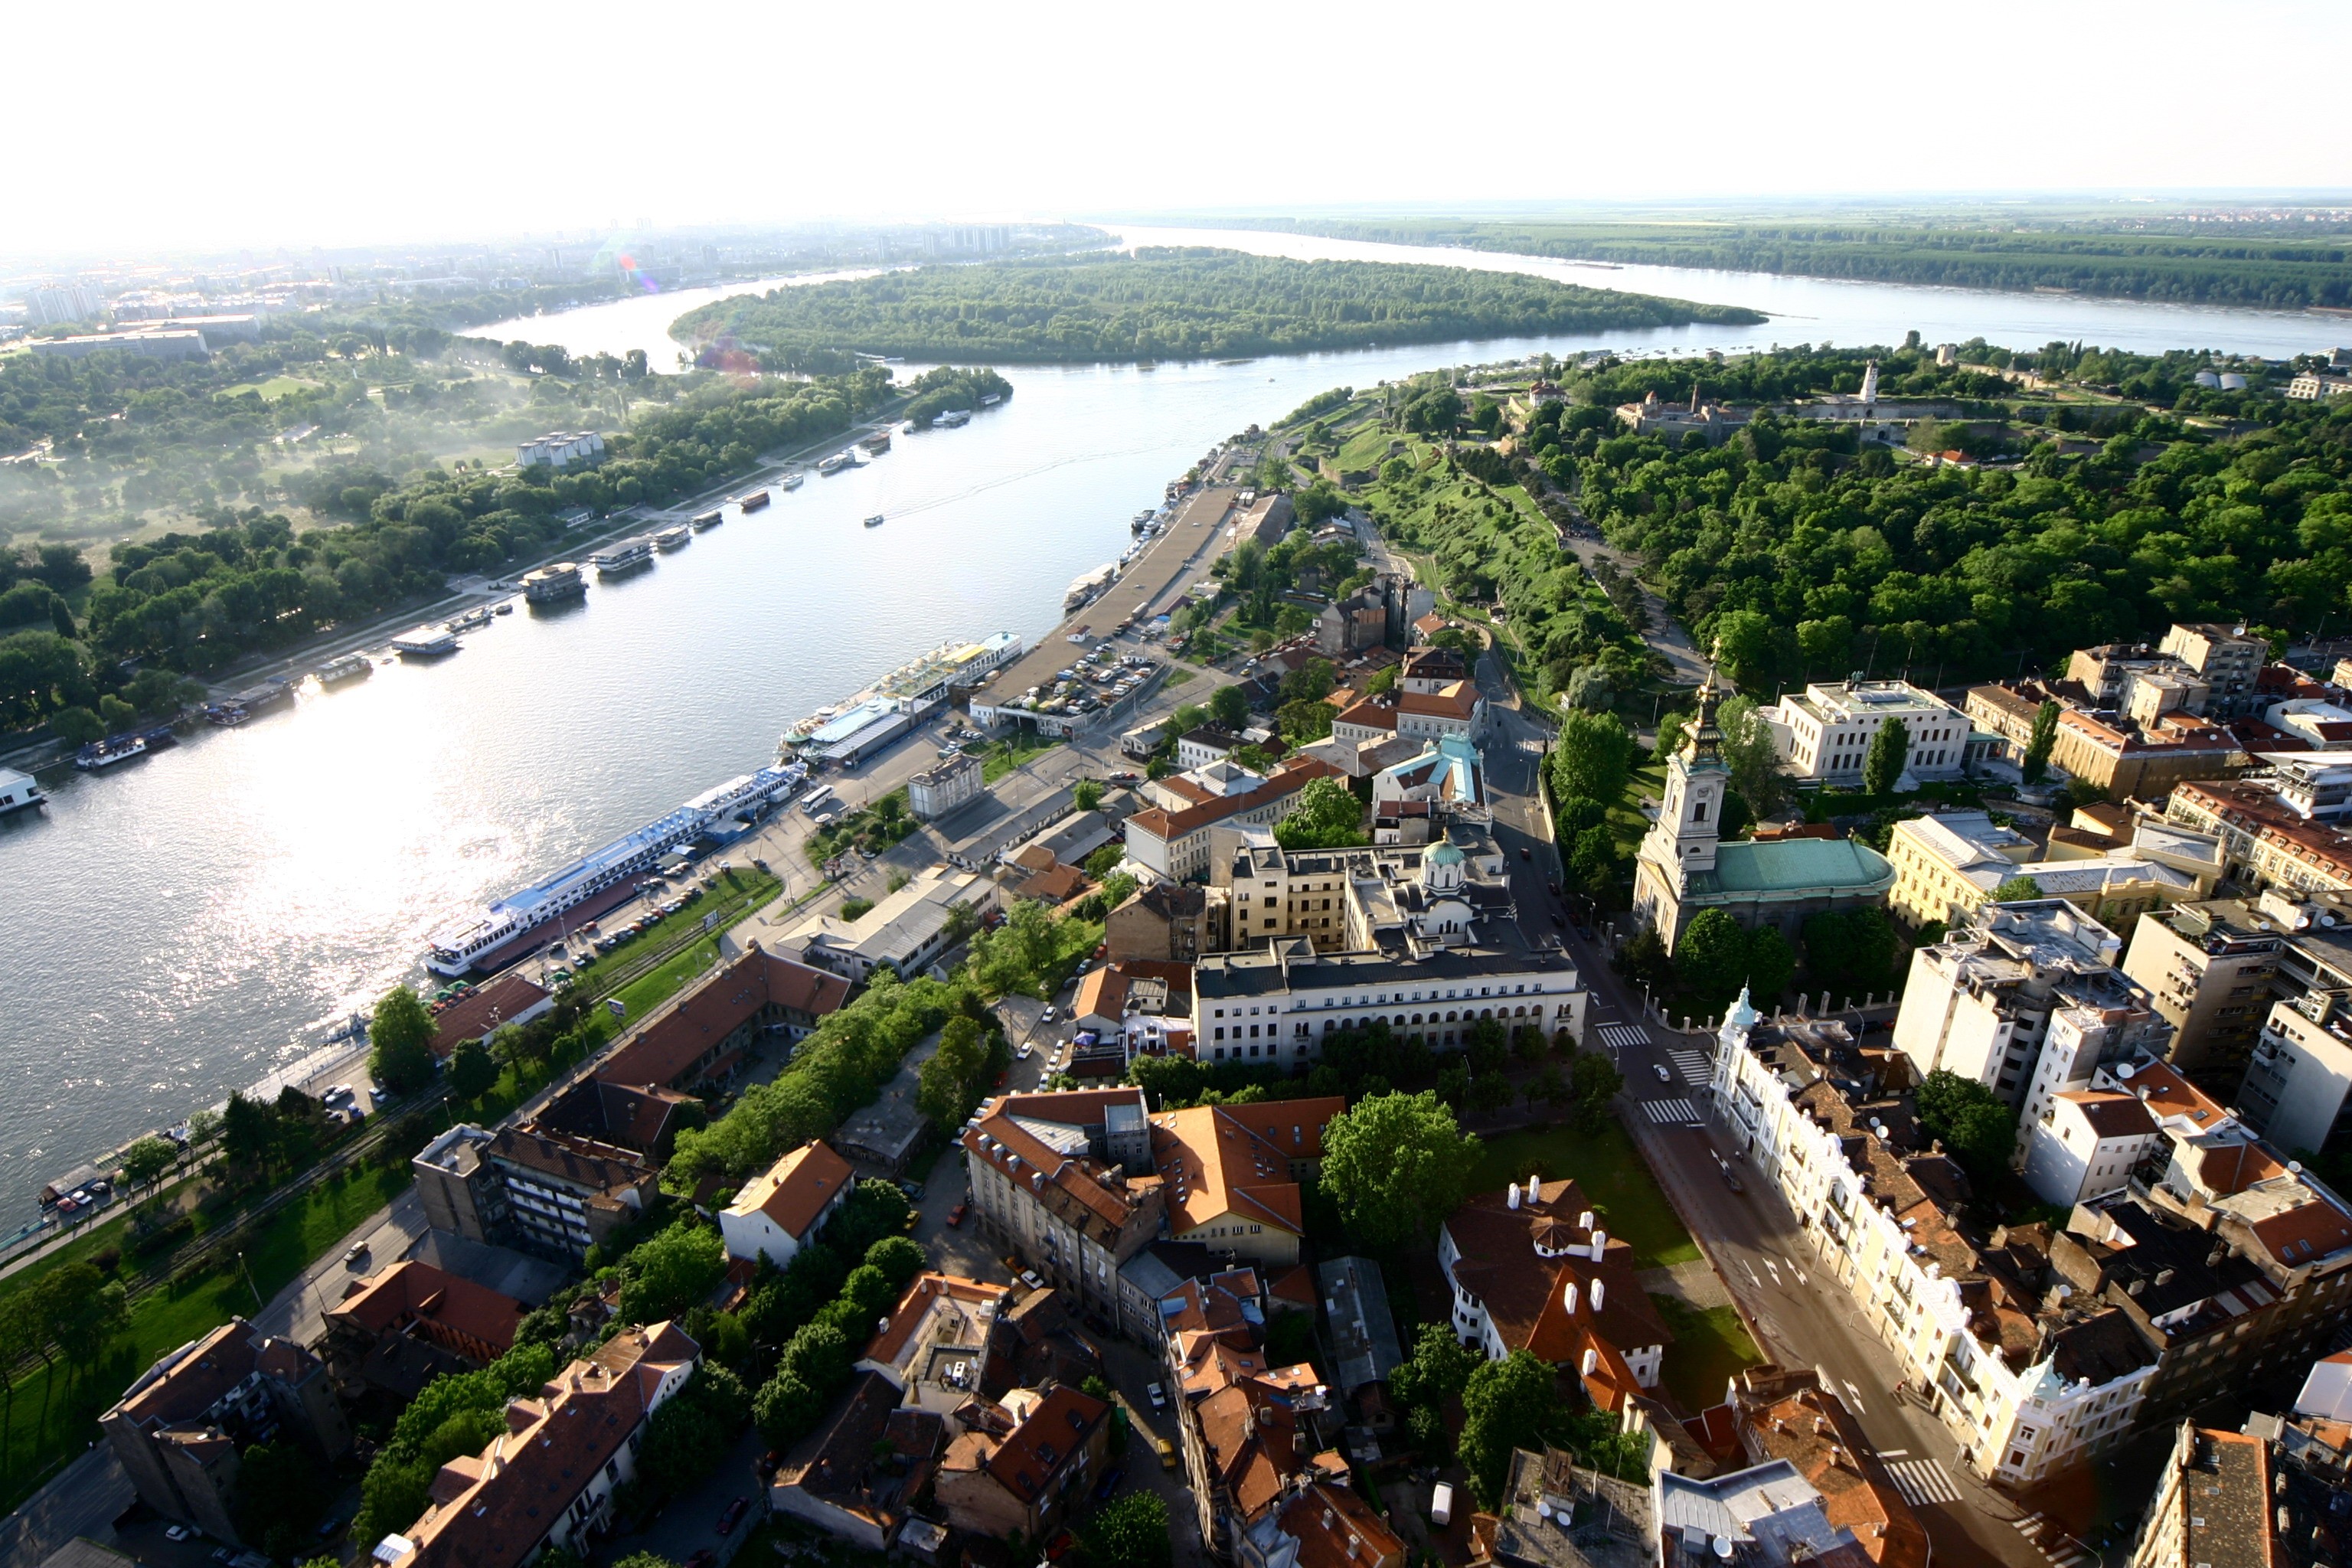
x,y
2276,267
1163,304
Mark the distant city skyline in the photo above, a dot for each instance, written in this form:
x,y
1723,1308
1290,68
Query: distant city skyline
x,y
276,126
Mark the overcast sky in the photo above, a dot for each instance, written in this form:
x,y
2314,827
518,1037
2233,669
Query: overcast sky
x,y
262,123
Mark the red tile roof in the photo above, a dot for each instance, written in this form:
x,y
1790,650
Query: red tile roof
x,y
1291,775
411,1292
480,1012
794,1190
1033,1452
668,1044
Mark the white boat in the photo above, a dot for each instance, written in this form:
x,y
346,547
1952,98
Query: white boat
x,y
710,519
673,537
873,521
791,482
425,642
557,580
621,557
956,418
458,950
18,792
351,667
834,464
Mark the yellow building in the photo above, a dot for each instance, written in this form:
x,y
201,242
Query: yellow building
x,y
1946,866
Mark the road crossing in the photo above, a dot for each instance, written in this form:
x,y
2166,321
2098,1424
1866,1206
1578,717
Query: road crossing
x,y
1672,1113
1922,1482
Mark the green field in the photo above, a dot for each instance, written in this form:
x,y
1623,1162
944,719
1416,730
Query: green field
x,y
1367,448
51,1414
1614,1178
1709,1346
276,387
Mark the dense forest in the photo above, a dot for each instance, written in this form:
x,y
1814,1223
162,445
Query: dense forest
x,y
1809,557
2281,272
1164,304
192,602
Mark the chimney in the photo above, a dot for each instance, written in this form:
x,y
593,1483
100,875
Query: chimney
x,y
1600,1243
1584,1220
1511,1195
1590,1359
1567,1296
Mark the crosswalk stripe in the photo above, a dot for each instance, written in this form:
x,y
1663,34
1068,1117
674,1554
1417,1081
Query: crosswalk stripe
x,y
1694,1067
1623,1035
1670,1110
1923,1481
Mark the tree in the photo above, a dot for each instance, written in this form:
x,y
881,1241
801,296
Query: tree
x,y
1593,757
1711,958
400,1042
1771,964
1087,793
248,1132
1882,764
1131,1532
144,1162
1593,862
948,1087
77,726
85,1311
280,1493
1753,758
1228,707
1505,1405
1309,718
689,1434
1850,951
1436,1372
2038,744
472,1073
1589,689
670,1271
1326,815
1395,1164
1975,1126
897,1258
2016,889
1593,1081
786,1409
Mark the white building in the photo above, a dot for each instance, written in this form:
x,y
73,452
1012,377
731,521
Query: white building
x,y
907,932
560,449
2026,1001
2088,1145
1170,837
1277,1005
66,302
782,1208
2300,1074
1810,1112
935,792
1824,734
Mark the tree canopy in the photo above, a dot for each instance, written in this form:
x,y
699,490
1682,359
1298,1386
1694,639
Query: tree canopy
x,y
1326,815
400,1042
1976,1126
1395,1164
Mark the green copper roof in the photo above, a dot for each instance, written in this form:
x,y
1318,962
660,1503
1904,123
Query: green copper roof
x,y
1794,869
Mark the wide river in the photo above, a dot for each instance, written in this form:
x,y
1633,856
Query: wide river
x,y
187,925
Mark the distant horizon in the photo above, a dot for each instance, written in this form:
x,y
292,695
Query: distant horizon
x,y
273,125
21,271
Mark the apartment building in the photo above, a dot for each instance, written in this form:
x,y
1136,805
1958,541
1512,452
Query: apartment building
x,y
2091,1144
1067,1179
1535,1522
2226,658
2026,1384
557,1194
1027,1480
1232,1176
1172,842
2270,1496
906,932
547,1481
2027,1001
179,1429
1533,1269
1824,732
2299,1075
2270,828
1948,866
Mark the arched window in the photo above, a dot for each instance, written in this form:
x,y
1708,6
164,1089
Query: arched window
x,y
1698,811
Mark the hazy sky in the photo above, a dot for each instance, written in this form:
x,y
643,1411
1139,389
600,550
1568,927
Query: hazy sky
x,y
260,122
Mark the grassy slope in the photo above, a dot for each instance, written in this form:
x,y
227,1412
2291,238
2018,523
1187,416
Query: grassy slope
x,y
1614,1176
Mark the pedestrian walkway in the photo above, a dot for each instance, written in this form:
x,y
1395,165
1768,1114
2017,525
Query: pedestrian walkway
x,y
2066,1552
1923,1481
1693,1064
1617,1037
1672,1113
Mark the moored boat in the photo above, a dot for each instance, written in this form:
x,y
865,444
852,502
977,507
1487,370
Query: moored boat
x,y
792,481
18,792
710,519
349,667
834,464
754,501
672,537
112,752
433,641
873,521
556,580
623,556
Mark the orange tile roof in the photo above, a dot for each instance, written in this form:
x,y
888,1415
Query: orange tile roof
x,y
794,1190
1218,1161
926,1289
1040,1448
409,1292
1291,775
668,1044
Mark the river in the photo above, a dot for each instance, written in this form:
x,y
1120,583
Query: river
x,y
181,927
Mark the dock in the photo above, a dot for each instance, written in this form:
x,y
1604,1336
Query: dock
x,y
1198,529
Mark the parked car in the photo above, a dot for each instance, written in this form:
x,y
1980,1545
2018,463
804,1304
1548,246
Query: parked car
x,y
1029,1278
177,1532
955,1215
1021,1052
1049,1015
1167,1452
1158,1395
733,1516
1525,853
1109,1482
1660,1068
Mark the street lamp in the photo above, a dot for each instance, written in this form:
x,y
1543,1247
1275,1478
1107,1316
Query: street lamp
x,y
246,1270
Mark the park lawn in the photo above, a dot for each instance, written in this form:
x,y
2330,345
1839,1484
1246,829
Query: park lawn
x,y
1709,1347
737,893
1613,1176
1367,448
1001,757
659,983
54,1412
276,387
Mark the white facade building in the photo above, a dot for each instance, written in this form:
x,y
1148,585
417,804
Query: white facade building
x,y
560,449
936,792
1824,734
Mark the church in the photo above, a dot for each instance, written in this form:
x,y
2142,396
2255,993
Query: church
x,y
1684,867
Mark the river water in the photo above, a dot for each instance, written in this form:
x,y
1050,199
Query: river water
x,y
188,924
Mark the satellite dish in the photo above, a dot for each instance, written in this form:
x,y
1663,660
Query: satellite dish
x,y
2124,1072
2295,1167
2328,921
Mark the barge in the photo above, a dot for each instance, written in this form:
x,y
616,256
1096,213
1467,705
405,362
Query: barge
x,y
673,537
625,556
557,580
112,752
753,501
349,667
18,792
436,641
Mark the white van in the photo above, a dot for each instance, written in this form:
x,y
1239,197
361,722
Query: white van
x,y
1441,1505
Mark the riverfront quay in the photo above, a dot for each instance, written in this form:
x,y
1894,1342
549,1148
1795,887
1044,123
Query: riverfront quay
x,y
193,920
